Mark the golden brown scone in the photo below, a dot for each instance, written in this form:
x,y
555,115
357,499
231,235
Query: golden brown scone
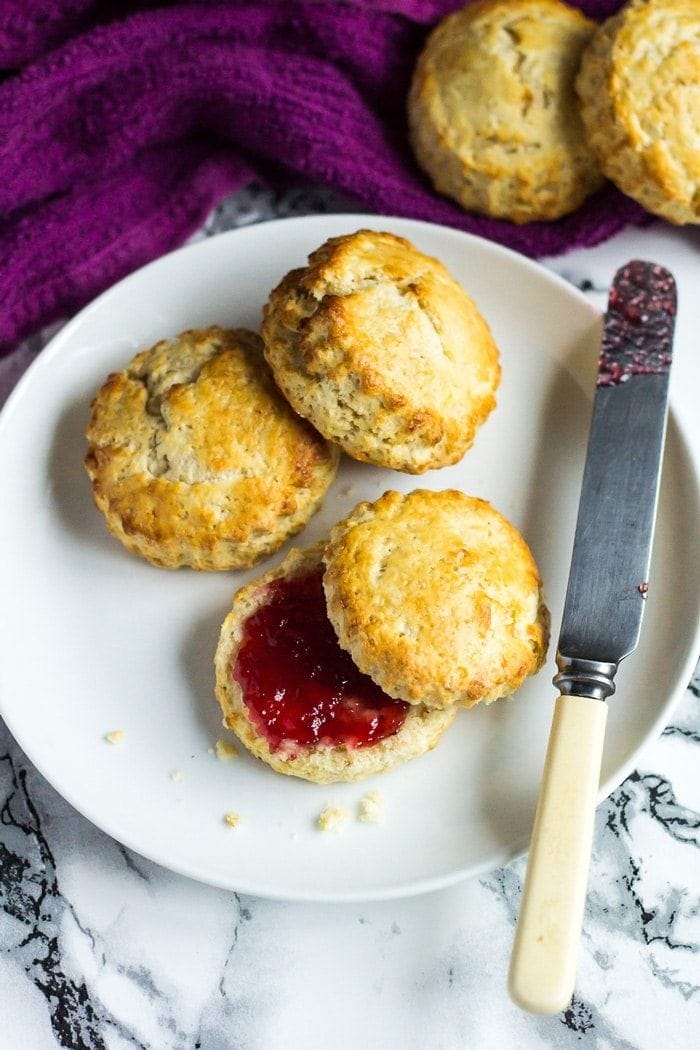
x,y
492,110
436,597
383,351
321,763
196,459
638,86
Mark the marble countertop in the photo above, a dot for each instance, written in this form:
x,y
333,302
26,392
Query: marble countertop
x,y
101,948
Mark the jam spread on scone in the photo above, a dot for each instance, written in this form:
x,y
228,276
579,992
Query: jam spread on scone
x,y
298,685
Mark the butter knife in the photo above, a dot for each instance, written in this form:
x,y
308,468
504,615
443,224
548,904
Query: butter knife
x,y
605,598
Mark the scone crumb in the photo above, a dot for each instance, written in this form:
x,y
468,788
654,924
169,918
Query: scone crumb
x,y
176,774
224,750
331,819
232,819
371,809
115,736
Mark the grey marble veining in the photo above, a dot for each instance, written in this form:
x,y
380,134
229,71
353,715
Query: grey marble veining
x,y
102,948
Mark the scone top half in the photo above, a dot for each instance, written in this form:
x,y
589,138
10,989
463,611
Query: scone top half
x,y
383,352
437,597
493,113
196,459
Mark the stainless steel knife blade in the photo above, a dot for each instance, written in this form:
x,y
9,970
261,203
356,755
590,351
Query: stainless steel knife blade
x,y
608,579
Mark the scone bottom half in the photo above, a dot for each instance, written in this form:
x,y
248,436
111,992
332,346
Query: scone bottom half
x,y
437,597
383,351
197,460
294,697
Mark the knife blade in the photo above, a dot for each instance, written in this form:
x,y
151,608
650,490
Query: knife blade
x,y
603,609
608,580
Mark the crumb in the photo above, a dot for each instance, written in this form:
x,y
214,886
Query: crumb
x,y
232,819
210,750
224,750
643,589
176,774
348,490
370,809
115,736
331,819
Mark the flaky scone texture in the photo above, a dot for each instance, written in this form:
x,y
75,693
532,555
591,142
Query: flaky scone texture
x,y
383,351
437,597
493,114
419,733
639,88
196,459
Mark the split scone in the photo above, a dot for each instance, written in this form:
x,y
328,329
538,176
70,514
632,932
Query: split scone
x,y
196,459
295,699
639,90
383,352
436,597
493,114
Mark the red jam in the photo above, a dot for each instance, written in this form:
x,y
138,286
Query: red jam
x,y
638,334
298,685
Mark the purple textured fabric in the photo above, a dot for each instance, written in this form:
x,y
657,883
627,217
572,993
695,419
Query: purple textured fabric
x,y
116,143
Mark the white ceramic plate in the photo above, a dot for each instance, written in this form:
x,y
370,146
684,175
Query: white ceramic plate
x,y
94,639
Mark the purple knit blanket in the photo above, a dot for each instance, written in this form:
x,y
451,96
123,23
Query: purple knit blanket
x,y
122,125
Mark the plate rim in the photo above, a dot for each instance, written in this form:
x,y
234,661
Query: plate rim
x,y
414,887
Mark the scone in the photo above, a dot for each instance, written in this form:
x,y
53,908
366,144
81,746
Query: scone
x,y
383,351
196,459
293,696
492,110
639,87
436,597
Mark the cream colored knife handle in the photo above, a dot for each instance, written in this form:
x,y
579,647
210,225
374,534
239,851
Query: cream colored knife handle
x,y
543,964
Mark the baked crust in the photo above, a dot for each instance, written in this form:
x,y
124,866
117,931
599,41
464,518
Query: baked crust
x,y
492,111
322,764
437,597
638,90
196,459
383,351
